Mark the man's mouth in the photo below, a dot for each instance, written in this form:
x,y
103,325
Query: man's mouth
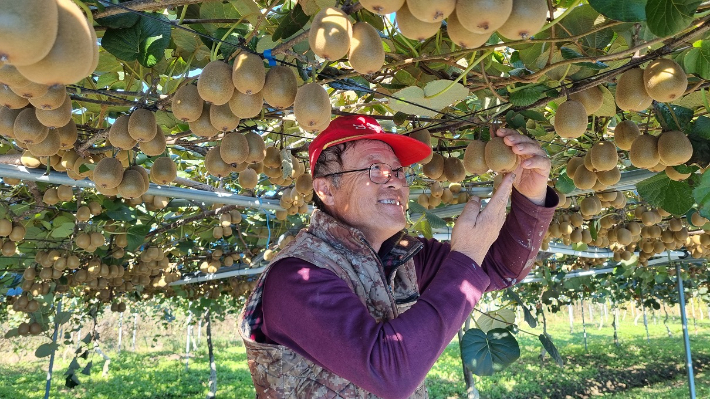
x,y
389,202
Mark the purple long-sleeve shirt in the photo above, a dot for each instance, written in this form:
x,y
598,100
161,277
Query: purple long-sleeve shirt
x,y
313,312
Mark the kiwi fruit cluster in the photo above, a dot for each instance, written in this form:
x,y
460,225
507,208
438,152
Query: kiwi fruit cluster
x,y
656,153
294,200
662,80
46,43
453,194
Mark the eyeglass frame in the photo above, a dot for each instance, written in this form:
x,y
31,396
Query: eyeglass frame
x,y
393,171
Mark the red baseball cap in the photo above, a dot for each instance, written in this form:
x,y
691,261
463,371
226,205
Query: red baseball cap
x,y
363,127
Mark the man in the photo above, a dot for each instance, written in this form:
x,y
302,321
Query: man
x,y
355,308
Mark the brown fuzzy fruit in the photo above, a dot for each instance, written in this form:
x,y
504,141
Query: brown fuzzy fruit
x,y
644,151
603,156
474,158
203,126
28,129
163,171
382,7
571,119
573,164
55,118
526,19
665,80
234,148
499,156
215,164
187,104
674,148
222,118
366,54
47,147
675,175
132,185
413,28
434,168
246,106
625,133
118,134
584,179
28,31
141,125
424,136
52,99
156,146
312,106
484,16
631,91
9,99
215,83
609,177
248,178
462,36
330,33
592,99
248,73
454,170
280,87
431,11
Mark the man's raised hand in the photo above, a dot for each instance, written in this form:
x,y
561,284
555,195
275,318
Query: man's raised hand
x,y
475,230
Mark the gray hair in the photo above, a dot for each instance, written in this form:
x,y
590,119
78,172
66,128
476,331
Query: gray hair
x,y
330,161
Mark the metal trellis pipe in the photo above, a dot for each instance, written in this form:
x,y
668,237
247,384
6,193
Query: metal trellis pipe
x,y
686,338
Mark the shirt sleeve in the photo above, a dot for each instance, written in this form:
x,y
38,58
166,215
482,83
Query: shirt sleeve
x,y
314,313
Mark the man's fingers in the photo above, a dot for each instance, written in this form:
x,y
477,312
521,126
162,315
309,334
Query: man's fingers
x,y
537,162
499,200
472,208
505,132
527,149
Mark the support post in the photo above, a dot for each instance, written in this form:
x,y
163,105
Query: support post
x,y
51,357
213,365
120,332
571,318
584,327
686,338
135,322
187,341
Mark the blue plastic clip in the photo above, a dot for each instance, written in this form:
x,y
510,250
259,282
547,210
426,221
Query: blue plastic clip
x,y
269,57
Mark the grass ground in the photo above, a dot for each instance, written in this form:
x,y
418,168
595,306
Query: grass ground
x,y
634,370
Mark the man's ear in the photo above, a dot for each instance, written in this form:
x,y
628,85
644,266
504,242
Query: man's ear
x,y
324,190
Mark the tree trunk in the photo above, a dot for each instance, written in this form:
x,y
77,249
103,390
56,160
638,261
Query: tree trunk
x,y
645,324
571,318
135,323
213,366
665,321
615,322
187,341
584,328
120,332
51,357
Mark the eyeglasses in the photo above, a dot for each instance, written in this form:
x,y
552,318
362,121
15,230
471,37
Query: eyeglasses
x,y
381,173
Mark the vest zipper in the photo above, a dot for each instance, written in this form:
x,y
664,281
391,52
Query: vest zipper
x,y
409,256
381,269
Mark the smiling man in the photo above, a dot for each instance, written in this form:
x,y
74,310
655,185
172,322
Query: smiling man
x,y
356,308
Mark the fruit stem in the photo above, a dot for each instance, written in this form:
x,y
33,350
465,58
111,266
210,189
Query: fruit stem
x,y
87,11
213,56
559,18
463,74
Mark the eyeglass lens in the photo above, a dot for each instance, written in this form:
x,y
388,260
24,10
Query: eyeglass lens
x,y
381,173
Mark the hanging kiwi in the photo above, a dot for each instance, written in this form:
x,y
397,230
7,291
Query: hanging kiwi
x,y
312,106
29,31
248,179
222,118
625,133
28,129
234,148
571,119
434,168
665,80
108,173
644,151
424,136
31,90
71,55
245,105
474,158
674,148
55,118
592,99
203,126
248,73
156,146
132,184
603,156
526,18
9,75
118,134
163,171
431,11
272,157
454,170
366,54
382,7
413,28
52,99
584,179
280,87
631,92
214,163
462,36
330,33
9,99
47,147
187,104
483,16
141,125
499,157
7,121
215,83
257,147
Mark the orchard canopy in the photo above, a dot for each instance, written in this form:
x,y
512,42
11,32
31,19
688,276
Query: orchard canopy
x,y
145,142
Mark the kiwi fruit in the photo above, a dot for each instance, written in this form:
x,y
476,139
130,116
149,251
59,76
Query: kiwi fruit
x,y
431,11
572,165
382,7
304,184
118,134
47,147
215,83
434,168
665,80
7,121
462,36
9,75
132,184
584,179
32,90
674,148
222,118
156,146
108,173
483,16
214,163
312,106
454,170
499,156
697,220
248,179
474,158
631,91
203,126
603,156
144,174
591,98
675,175
257,148
413,28
28,31
71,55
280,87
366,54
141,125
625,133
272,157
526,18
644,151
246,105
163,171
9,99
55,118
28,160
571,119
52,99
609,177
248,73
330,33
234,148
187,104
424,136
28,129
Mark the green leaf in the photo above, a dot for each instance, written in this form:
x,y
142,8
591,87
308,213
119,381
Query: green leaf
x,y
551,349
62,317
73,365
526,96
122,214
529,318
86,340
154,39
673,118
666,17
624,10
501,318
119,21
87,370
45,350
123,43
564,183
697,60
435,96
675,197
248,9
136,236
434,221
14,332
701,128
485,354
290,24
701,193
63,230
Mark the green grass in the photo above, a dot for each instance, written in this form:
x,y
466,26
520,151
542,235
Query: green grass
x,y
604,370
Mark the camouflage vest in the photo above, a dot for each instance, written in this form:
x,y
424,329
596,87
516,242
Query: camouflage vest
x,y
279,372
